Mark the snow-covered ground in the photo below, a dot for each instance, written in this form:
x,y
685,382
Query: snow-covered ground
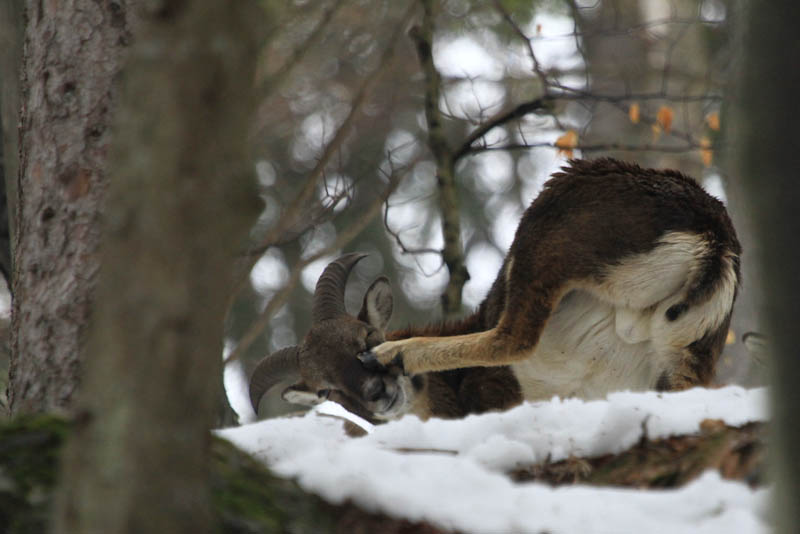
x,y
450,473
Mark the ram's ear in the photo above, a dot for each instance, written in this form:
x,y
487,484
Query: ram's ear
x,y
378,304
302,395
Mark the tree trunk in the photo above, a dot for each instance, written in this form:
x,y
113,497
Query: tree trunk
x,y
766,146
72,52
10,51
617,64
181,202
247,498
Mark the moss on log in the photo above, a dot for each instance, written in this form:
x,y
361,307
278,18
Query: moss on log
x,y
29,448
248,498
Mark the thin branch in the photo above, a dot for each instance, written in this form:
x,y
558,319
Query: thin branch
x,y
646,147
498,120
628,30
541,103
579,41
566,93
537,67
276,79
395,234
453,250
295,211
578,94
343,238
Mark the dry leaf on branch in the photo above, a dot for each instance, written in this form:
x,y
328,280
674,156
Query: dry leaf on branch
x,y
712,119
566,143
664,117
634,113
730,339
706,153
656,132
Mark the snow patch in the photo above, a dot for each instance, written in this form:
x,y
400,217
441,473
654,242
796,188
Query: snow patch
x,y
451,473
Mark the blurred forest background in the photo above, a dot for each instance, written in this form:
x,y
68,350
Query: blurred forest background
x,y
361,143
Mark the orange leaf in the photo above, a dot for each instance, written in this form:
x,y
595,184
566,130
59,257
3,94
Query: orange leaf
x,y
664,117
731,337
567,142
656,132
538,29
706,153
712,119
633,113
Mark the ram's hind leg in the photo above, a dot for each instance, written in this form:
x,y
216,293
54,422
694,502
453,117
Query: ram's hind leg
x,y
520,325
652,294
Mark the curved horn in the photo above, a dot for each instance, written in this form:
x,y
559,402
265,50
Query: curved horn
x,y
328,300
278,367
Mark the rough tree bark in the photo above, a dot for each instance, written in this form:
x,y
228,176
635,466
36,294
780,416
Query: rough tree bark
x,y
10,51
72,52
767,138
181,202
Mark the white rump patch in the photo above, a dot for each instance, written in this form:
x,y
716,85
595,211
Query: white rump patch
x,y
615,335
643,280
632,326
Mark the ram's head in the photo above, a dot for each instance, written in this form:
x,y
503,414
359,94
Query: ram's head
x,y
326,364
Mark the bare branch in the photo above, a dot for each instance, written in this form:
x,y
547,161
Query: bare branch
x,y
343,238
537,67
577,94
453,251
395,234
645,147
498,120
275,80
295,211
541,103
628,30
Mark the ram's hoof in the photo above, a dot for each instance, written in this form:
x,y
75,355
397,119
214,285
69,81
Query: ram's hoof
x,y
370,361
397,363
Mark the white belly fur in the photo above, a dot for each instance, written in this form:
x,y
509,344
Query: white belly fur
x,y
580,354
